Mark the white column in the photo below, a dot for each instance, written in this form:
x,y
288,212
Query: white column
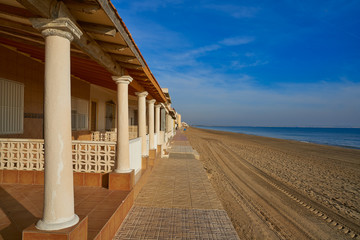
x,y
151,122
58,210
157,122
142,120
122,145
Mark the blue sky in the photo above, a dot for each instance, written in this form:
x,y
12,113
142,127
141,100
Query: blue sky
x,y
253,63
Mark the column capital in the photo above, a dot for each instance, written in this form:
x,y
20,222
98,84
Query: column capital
x,y
122,79
152,101
62,27
141,94
158,106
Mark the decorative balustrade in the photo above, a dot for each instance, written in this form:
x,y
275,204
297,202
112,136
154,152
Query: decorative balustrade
x,y
133,132
28,154
22,154
110,136
88,156
91,156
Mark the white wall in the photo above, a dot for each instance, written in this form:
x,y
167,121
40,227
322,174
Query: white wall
x,y
135,154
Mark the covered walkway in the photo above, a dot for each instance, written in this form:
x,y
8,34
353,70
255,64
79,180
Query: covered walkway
x,y
178,201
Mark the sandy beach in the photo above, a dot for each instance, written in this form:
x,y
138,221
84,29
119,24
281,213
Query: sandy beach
x,y
280,189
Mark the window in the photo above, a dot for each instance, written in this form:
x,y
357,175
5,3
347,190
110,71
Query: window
x,y
110,116
79,114
11,107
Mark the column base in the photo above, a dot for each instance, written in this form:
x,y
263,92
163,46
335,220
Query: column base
x,y
122,181
144,162
41,225
78,231
158,149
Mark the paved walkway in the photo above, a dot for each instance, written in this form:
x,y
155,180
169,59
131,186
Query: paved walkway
x,y
178,202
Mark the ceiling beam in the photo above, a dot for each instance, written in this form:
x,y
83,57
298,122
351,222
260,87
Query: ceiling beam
x,y
123,58
54,9
129,65
15,11
134,84
111,12
30,40
81,7
112,46
38,7
98,29
19,26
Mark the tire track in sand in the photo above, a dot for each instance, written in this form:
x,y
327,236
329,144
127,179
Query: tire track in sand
x,y
336,221
285,219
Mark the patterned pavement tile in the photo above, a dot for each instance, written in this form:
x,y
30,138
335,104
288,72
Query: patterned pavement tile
x,y
178,202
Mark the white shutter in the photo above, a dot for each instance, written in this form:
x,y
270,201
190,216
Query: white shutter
x,y
11,107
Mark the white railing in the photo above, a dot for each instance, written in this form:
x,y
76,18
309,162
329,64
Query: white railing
x,y
110,136
133,132
91,156
88,156
147,144
135,154
155,141
22,154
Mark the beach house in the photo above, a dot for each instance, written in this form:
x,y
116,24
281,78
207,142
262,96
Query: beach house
x,y
79,106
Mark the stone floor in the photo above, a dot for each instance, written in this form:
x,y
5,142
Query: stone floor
x,y
21,206
178,202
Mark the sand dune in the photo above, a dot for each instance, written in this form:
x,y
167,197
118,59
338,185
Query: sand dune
x,y
279,189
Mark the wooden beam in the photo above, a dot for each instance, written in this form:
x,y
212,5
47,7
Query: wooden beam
x,y
141,78
136,73
112,46
129,65
38,7
123,58
15,11
116,21
134,84
22,38
98,29
19,26
54,9
109,10
154,82
88,8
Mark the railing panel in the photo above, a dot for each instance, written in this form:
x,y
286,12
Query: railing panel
x,y
88,156
28,154
96,157
22,154
155,141
135,154
147,144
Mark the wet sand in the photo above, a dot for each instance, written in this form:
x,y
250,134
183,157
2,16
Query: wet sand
x,y
281,189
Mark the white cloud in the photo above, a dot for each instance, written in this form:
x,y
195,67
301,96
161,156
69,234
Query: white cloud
x,y
235,11
207,97
234,41
238,64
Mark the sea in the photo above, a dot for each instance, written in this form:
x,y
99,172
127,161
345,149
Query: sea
x,y
341,137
